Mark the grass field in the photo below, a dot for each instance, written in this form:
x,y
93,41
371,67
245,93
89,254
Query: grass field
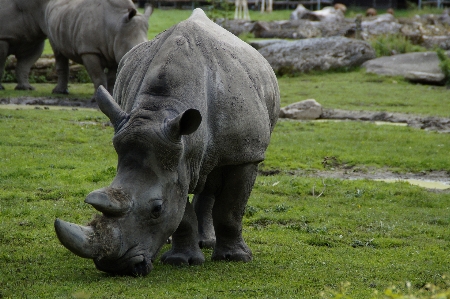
x,y
372,234
311,237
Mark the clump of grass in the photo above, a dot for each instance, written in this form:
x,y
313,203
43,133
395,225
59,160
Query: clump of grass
x,y
391,44
444,64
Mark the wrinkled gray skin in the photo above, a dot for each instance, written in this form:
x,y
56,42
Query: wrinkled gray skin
x,y
95,33
21,35
195,110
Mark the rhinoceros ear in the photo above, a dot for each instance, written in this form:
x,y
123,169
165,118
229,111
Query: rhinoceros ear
x,y
110,108
131,13
148,11
184,124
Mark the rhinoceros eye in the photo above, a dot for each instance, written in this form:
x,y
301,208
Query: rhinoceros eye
x,y
156,208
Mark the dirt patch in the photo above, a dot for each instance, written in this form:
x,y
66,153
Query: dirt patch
x,y
49,101
360,173
431,123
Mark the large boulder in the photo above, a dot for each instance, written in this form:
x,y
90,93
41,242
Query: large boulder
x,y
298,29
316,54
382,24
417,67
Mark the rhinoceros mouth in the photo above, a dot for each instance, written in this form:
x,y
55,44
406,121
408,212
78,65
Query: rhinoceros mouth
x,y
134,262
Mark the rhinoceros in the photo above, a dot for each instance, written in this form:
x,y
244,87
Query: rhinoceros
x,y
21,35
193,111
95,33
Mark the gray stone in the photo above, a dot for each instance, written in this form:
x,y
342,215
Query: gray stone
x,y
418,67
382,24
307,109
316,54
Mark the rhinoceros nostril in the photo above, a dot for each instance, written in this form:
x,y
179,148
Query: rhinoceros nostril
x,y
141,268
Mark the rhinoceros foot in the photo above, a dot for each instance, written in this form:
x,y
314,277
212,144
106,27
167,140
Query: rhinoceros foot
x,y
237,253
207,243
183,258
1,87
60,91
24,87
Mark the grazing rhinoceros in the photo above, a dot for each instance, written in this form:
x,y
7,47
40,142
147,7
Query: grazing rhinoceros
x,y
95,33
21,35
195,110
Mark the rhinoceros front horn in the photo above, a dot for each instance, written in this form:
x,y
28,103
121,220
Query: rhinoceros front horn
x,y
110,108
76,238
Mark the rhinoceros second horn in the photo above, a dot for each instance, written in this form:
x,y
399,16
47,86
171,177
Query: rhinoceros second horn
x,y
76,238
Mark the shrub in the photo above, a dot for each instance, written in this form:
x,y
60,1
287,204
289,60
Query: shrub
x,y
444,65
386,45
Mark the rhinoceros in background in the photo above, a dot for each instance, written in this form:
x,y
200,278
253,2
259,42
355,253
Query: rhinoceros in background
x,y
194,112
21,35
95,33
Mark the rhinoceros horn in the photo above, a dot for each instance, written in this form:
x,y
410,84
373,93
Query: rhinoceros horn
x,y
110,108
110,205
76,238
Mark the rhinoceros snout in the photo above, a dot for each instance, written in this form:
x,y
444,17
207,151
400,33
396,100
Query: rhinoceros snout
x,y
142,268
135,266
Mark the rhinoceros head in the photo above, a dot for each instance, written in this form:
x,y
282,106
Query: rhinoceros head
x,y
131,30
145,202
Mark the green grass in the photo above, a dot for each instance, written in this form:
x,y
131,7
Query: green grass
x,y
303,245
304,145
356,90
371,234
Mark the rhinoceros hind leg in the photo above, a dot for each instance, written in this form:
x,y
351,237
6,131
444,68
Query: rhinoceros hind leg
x,y
4,46
185,249
25,60
203,205
62,69
229,206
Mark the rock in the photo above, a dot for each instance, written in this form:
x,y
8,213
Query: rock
x,y
432,42
382,24
287,57
327,14
299,12
417,67
298,29
307,109
258,44
236,26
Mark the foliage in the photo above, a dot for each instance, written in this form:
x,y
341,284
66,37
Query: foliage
x,y
444,64
83,76
391,44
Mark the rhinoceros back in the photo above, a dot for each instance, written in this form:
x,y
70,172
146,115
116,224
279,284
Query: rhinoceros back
x,y
205,67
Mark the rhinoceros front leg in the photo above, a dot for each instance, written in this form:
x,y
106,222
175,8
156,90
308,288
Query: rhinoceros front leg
x,y
203,205
229,207
25,61
4,46
185,249
62,70
95,70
